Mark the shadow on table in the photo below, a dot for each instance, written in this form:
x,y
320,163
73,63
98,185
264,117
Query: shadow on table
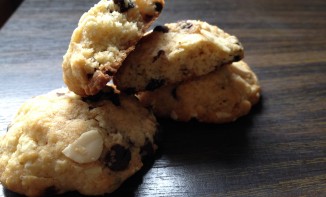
x,y
193,142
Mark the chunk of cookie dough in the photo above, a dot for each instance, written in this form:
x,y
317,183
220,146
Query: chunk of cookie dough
x,y
219,97
61,142
176,52
102,40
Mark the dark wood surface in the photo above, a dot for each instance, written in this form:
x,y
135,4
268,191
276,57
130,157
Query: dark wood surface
x,y
7,7
279,149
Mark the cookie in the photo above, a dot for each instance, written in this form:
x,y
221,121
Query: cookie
x,y
218,97
176,52
61,142
103,38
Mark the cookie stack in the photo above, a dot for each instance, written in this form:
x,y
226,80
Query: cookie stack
x,y
91,136
190,70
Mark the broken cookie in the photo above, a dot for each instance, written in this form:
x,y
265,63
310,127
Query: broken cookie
x,y
177,52
105,35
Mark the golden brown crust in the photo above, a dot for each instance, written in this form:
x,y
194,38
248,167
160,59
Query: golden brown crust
x,y
176,52
219,97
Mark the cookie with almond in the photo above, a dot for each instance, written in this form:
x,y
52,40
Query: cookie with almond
x,y
62,142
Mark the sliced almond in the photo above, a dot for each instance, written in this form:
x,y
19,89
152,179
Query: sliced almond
x,y
87,148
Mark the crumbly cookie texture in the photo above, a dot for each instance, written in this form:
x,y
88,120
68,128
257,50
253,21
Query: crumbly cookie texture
x,y
176,52
61,142
219,97
103,38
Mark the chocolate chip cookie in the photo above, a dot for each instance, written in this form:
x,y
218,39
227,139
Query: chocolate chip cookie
x,y
103,38
176,52
61,142
218,97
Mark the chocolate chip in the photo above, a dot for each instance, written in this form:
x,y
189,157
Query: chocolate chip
x,y
238,43
148,18
193,120
50,191
147,149
93,98
124,6
60,94
158,6
160,28
91,107
159,53
118,158
110,72
237,58
185,71
186,25
89,76
130,91
9,126
154,84
174,93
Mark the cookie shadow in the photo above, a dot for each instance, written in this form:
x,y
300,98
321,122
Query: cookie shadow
x,y
226,144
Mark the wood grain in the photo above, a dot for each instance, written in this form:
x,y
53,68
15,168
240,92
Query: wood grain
x,y
279,149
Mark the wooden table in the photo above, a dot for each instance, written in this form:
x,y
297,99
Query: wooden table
x,y
279,149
